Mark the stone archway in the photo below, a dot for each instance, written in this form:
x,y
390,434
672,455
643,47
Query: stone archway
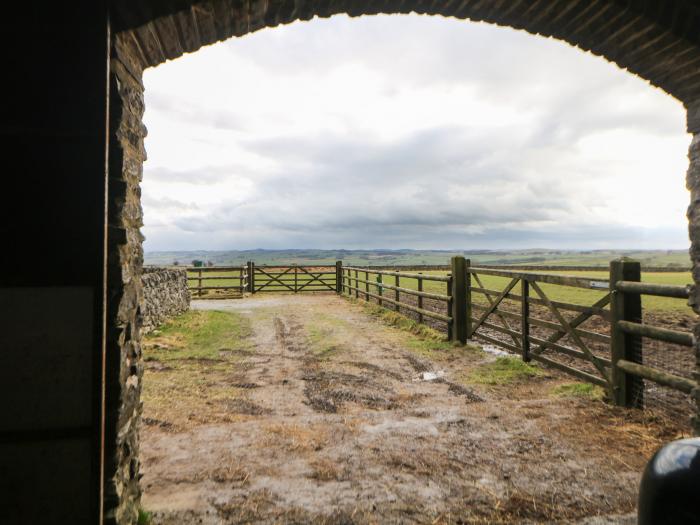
x,y
654,40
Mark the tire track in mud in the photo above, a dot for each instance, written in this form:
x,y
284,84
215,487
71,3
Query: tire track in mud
x,y
354,434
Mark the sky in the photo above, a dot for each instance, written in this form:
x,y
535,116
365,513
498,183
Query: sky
x,y
408,131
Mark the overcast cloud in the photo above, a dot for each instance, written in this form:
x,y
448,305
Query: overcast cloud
x,y
408,132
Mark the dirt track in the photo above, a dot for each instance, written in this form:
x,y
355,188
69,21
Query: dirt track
x,y
333,423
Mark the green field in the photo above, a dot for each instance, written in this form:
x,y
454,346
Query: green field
x,y
377,257
566,294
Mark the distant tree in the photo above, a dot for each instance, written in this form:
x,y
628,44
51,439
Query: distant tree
x,y
176,263
210,264
197,263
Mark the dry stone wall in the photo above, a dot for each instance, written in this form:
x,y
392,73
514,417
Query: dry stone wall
x,y
165,295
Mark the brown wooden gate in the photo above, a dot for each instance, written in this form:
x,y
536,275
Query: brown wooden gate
x,y
295,279
542,329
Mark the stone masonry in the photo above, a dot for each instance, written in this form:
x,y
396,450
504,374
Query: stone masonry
x,y
165,295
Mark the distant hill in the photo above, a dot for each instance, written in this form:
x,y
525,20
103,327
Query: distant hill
x,y
672,258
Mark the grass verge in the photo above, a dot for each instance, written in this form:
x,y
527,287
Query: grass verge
x,y
192,373
197,334
503,371
579,390
427,342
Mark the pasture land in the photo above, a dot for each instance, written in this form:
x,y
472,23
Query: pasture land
x,y
281,408
566,293
556,293
677,258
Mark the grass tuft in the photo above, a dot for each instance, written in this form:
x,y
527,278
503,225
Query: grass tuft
x,y
579,390
404,323
428,342
503,371
145,517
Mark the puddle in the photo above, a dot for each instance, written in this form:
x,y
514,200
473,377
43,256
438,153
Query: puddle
x,y
493,350
431,376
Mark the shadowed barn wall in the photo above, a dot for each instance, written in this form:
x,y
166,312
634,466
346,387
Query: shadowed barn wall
x,y
54,131
656,40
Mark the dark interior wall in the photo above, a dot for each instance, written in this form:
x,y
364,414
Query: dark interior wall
x,y
53,126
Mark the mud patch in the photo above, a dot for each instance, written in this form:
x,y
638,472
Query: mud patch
x,y
286,333
247,386
418,365
230,352
325,393
374,368
203,360
152,422
244,406
461,390
153,365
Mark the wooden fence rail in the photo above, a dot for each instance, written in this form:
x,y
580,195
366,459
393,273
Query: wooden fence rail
x,y
539,328
350,281
520,317
228,279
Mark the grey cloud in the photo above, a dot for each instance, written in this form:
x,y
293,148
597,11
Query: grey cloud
x,y
184,110
405,187
444,187
167,203
206,175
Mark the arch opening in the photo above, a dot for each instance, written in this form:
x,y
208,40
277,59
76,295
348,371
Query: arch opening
x,y
168,36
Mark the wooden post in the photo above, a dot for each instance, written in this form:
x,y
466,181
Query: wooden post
x,y
296,279
525,319
420,298
380,289
450,326
468,293
627,389
199,292
339,277
366,286
396,293
459,299
357,285
251,276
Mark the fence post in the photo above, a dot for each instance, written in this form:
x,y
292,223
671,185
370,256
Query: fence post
x,y
525,319
459,299
199,293
251,276
420,297
397,296
468,299
296,279
380,289
339,277
627,389
357,285
450,302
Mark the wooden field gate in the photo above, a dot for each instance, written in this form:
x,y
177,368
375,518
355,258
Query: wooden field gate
x,y
522,318
294,278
